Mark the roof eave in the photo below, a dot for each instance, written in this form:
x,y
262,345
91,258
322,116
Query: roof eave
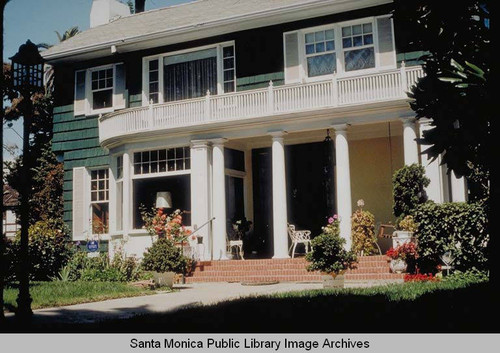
x,y
212,28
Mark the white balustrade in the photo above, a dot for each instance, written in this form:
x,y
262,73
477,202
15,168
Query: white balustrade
x,y
273,100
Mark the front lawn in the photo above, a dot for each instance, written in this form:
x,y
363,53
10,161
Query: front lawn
x,y
59,293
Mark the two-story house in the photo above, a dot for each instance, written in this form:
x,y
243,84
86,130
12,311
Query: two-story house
x,y
280,111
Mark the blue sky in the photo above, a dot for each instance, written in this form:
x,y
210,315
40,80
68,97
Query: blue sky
x,y
38,20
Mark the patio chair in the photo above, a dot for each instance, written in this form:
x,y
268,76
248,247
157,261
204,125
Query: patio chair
x,y
236,243
384,234
299,237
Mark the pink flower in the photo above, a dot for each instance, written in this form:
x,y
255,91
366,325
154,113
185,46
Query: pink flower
x,y
330,220
335,216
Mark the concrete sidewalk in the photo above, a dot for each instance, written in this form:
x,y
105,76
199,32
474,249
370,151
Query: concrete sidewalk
x,y
185,295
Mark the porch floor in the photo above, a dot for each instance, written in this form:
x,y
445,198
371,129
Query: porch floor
x,y
370,270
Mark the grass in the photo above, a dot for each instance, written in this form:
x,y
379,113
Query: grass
x,y
59,293
428,307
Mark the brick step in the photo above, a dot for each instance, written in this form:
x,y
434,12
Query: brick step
x,y
271,272
252,268
257,278
373,269
370,276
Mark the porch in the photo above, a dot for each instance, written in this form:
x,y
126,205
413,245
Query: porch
x,y
270,103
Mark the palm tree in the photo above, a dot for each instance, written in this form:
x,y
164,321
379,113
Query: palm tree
x,y
48,74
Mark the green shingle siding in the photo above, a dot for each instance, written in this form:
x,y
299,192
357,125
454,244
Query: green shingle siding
x,y
75,125
260,81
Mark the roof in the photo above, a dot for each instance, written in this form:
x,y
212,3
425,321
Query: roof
x,y
10,196
197,15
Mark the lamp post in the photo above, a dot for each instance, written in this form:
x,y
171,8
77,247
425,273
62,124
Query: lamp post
x,y
27,73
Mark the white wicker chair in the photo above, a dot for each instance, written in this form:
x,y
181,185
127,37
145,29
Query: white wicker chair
x,y
299,237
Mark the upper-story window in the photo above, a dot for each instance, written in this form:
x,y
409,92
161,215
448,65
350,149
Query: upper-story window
x,y
341,48
100,89
190,74
320,52
358,47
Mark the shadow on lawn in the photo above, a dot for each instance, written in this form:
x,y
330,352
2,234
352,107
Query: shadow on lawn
x,y
469,309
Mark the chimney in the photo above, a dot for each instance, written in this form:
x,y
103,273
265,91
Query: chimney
x,y
104,11
139,6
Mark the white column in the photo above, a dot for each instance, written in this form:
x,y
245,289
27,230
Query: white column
x,y
433,170
127,195
280,232
200,193
343,182
219,200
409,141
458,189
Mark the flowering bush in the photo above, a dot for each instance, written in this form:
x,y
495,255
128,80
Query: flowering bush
x,y
405,251
363,231
166,226
333,226
408,224
328,254
420,277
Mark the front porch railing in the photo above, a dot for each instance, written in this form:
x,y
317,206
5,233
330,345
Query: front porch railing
x,y
353,90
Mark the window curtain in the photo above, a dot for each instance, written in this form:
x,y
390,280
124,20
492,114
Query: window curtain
x,y
190,79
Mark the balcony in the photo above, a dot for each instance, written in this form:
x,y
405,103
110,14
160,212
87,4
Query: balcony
x,y
272,101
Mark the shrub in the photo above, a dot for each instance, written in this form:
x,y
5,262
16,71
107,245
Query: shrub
x,y
408,191
163,256
100,269
458,228
363,233
329,254
48,248
408,224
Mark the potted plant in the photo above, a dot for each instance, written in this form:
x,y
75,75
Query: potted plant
x,y
405,230
402,256
329,255
165,260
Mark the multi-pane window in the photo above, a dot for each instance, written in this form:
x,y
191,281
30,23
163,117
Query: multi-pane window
x,y
99,199
358,47
119,193
119,167
102,88
320,52
228,68
154,81
164,160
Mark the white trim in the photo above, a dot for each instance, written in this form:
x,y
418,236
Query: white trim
x,y
160,57
89,91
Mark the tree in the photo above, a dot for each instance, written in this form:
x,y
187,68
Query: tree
x,y
456,93
452,35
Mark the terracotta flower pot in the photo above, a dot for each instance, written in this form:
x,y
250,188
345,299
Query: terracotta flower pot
x,y
164,279
333,280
